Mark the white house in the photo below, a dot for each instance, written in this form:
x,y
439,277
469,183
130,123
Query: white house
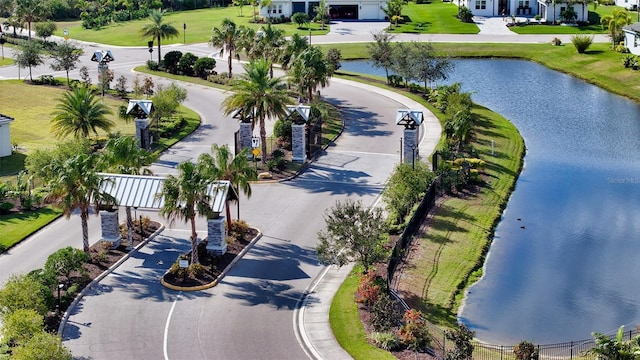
x,y
632,38
628,4
5,136
338,9
527,8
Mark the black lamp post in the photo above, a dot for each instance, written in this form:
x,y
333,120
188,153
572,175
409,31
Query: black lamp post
x,y
413,157
2,41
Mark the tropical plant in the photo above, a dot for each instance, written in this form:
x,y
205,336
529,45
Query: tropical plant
x,y
525,350
171,61
381,51
22,291
405,188
465,14
158,29
237,170
29,55
77,185
186,63
186,195
310,70
292,48
266,97
322,12
20,326
270,45
615,348
64,261
300,18
333,58
65,57
581,42
569,15
29,11
463,346
80,112
414,333
122,155
618,19
45,29
42,346
393,11
226,37
204,66
353,233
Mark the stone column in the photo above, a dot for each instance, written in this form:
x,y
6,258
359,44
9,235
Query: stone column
x,y
246,133
142,133
299,142
410,146
216,235
110,227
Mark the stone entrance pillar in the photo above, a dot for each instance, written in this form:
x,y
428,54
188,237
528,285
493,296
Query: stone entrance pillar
x,y
410,146
298,142
110,227
246,133
216,235
142,133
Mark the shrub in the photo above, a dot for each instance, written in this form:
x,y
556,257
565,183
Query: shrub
x,y
121,86
556,42
238,229
278,163
195,270
5,208
462,339
621,48
300,18
186,63
222,78
414,332
525,350
152,65
171,61
333,58
64,261
282,129
395,80
384,313
385,340
370,288
25,292
582,42
204,67
630,61
20,326
465,14
98,257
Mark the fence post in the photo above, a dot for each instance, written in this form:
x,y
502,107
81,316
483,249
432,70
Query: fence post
x,y
571,351
501,351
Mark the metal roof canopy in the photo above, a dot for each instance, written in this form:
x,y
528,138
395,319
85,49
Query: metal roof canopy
x,y
4,119
141,191
409,118
303,110
136,106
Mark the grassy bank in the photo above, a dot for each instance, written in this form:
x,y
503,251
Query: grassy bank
x,y
15,228
599,66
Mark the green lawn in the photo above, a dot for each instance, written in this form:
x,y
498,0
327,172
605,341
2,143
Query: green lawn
x,y
199,25
15,228
594,26
433,18
31,127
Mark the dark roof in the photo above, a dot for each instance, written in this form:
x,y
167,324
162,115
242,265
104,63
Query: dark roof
x,y
632,28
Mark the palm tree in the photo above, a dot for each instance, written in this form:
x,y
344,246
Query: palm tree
x,y
255,90
122,155
270,45
322,12
158,29
30,11
76,184
292,48
310,70
79,112
186,195
238,170
616,348
615,22
226,37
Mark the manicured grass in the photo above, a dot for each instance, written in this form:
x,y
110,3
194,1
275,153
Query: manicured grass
x,y
594,26
6,61
346,324
193,121
433,18
599,66
15,228
31,128
199,25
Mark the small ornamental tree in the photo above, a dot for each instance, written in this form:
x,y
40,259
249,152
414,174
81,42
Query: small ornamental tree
x,y
186,63
64,261
300,19
353,233
45,29
333,58
461,338
384,313
525,350
203,67
171,61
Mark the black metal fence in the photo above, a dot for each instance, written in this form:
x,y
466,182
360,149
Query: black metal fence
x,y
482,351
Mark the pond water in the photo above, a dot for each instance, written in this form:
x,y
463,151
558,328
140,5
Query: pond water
x,y
575,266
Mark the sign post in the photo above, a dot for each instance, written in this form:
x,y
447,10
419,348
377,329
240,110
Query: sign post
x,y
255,144
66,34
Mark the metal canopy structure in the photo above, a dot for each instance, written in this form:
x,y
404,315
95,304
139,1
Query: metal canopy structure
x,y
409,118
303,111
141,191
138,107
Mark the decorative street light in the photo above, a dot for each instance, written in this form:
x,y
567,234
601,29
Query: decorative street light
x,y
103,58
60,287
2,41
309,36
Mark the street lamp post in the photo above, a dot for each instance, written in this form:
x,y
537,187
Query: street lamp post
x,y
309,36
60,287
2,41
103,58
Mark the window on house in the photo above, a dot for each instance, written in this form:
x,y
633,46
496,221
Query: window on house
x,y
481,4
636,40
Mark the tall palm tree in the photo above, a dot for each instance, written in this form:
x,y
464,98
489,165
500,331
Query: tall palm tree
x,y
292,48
80,112
76,184
270,45
158,29
29,11
310,70
186,195
618,19
238,170
255,90
122,155
322,12
226,37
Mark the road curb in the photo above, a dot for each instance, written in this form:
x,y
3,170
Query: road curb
x,y
86,289
220,277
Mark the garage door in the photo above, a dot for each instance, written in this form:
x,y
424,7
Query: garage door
x,y
370,12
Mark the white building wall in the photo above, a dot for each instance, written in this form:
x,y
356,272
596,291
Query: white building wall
x,y
632,42
5,140
367,10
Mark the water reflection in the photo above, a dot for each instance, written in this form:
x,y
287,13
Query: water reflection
x,y
575,267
